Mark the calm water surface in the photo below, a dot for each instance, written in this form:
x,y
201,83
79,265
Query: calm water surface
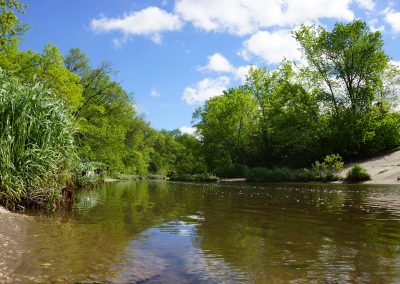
x,y
160,232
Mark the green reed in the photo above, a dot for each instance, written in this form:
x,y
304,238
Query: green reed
x,y
37,148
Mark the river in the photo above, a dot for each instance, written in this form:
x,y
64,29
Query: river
x,y
164,232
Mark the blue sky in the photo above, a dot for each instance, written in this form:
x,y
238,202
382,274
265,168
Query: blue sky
x,y
174,54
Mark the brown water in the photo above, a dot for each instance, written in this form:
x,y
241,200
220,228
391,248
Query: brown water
x,y
160,232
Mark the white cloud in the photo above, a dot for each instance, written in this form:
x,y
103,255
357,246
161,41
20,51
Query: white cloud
x,y
154,93
366,4
393,19
205,89
246,17
188,130
241,73
149,22
374,26
217,63
272,47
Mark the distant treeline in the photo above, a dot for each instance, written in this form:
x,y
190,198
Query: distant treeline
x,y
342,100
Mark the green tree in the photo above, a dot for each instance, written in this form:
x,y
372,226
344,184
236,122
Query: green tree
x,y
349,60
228,126
10,25
47,67
348,66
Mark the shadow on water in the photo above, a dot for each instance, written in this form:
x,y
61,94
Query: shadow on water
x,y
190,233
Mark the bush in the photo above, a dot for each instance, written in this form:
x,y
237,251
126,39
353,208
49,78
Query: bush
x,y
326,171
357,173
205,177
88,174
268,175
37,149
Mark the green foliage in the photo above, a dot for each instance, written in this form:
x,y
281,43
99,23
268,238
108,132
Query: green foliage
x,y
123,177
88,174
322,171
228,126
10,26
46,67
269,175
332,163
343,101
357,173
349,69
37,148
205,177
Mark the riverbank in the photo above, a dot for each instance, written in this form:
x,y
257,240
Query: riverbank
x,y
384,169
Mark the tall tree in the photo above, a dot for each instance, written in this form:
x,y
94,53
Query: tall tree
x,y
349,64
349,60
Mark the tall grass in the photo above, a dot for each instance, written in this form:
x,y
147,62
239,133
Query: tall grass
x,y
36,144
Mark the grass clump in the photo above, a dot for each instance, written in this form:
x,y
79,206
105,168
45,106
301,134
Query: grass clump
x,y
357,173
37,149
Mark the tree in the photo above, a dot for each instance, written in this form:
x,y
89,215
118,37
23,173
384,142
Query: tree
x,y
349,60
47,67
228,125
348,65
10,26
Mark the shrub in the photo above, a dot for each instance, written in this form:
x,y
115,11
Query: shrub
x,y
88,174
37,149
205,177
268,175
333,163
322,171
357,173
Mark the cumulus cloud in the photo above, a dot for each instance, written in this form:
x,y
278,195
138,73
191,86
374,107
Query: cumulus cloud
x,y
246,17
217,63
393,19
205,89
366,4
188,130
150,22
272,47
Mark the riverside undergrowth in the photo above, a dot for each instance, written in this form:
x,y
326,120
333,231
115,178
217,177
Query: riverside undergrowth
x,y
37,149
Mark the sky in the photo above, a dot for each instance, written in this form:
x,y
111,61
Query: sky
x,y
172,55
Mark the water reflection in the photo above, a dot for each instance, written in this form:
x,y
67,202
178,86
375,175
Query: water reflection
x,y
186,233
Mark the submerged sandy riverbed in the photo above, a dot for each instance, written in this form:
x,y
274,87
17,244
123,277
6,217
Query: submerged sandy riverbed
x,y
169,232
13,230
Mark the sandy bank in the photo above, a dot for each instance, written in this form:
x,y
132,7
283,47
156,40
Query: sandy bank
x,y
111,180
384,169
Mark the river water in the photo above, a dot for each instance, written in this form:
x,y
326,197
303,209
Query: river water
x,y
162,232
